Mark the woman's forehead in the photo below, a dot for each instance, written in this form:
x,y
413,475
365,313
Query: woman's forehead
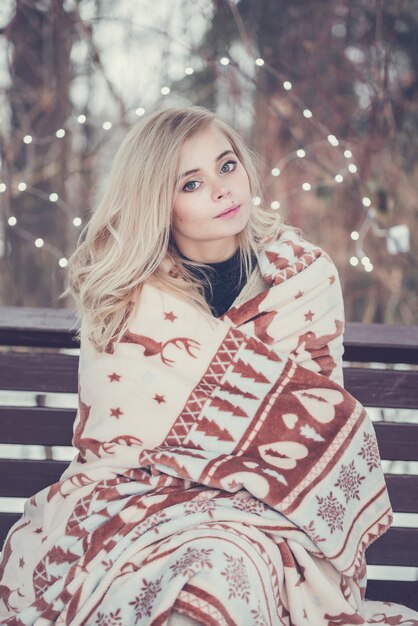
x,y
206,144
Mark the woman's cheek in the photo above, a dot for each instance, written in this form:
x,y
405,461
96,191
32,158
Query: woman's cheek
x,y
193,215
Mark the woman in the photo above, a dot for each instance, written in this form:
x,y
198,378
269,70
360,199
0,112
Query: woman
x,y
223,474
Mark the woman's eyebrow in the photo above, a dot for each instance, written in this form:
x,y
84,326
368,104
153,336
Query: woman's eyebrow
x,y
218,158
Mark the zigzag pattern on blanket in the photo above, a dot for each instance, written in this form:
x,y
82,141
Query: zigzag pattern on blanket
x,y
290,436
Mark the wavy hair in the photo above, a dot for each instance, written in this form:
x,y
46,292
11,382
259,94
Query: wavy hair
x,y
128,241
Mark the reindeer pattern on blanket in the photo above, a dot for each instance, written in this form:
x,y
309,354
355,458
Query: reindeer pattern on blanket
x,y
222,471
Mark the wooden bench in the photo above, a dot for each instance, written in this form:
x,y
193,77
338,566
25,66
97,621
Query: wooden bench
x,y
38,354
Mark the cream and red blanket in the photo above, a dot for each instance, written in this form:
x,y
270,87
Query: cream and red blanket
x,y
222,471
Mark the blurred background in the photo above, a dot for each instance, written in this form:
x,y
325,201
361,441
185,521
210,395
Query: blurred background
x,y
325,93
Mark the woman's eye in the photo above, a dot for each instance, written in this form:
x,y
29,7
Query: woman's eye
x,y
191,185
229,166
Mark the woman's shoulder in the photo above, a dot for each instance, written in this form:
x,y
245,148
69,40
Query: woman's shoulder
x,y
290,253
289,242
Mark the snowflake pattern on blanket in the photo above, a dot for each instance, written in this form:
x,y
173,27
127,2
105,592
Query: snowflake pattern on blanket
x,y
222,471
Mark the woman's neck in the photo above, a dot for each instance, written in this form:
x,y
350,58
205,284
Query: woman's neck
x,y
210,251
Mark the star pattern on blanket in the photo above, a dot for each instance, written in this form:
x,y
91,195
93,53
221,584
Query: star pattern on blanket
x,y
309,316
170,316
159,398
114,377
116,412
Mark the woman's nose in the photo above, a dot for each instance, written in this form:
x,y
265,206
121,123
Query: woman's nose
x,y
221,191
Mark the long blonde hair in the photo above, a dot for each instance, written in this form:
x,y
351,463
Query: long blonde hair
x,y
128,238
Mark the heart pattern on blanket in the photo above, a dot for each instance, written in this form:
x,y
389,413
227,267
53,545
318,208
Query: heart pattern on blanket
x,y
250,464
290,419
283,454
252,482
320,403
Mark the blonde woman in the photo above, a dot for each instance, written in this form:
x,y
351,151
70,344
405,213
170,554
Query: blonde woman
x,y
223,475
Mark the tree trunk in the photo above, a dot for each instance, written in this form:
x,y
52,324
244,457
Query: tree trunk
x,y
40,73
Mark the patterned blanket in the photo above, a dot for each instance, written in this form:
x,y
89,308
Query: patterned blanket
x,y
222,471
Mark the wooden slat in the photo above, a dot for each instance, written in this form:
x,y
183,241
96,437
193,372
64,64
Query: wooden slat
x,y
397,441
398,546
383,388
56,328
403,492
6,522
381,343
399,591
394,539
22,478
49,426
36,425
24,326
22,371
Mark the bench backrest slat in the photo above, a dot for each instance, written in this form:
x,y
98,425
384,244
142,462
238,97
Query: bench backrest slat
x,y
21,478
22,326
43,426
403,493
20,371
383,388
399,546
49,372
46,328
49,426
397,441
401,592
6,521
380,343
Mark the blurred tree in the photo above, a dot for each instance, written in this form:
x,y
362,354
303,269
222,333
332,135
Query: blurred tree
x,y
324,91
40,75
350,68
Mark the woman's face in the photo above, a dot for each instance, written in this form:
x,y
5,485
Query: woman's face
x,y
212,200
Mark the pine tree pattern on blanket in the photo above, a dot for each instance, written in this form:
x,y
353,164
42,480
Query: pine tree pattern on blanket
x,y
222,471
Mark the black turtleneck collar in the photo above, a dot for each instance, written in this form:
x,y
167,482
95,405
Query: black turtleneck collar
x,y
222,282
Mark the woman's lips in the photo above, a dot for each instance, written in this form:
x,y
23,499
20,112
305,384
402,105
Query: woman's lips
x,y
233,210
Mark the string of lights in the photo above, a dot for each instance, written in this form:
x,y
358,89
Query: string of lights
x,y
397,236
